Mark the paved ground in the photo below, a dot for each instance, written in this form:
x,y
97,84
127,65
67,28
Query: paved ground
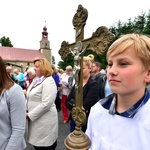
x,y
63,133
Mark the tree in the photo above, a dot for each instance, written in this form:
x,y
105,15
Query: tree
x,y
147,26
139,23
5,42
68,61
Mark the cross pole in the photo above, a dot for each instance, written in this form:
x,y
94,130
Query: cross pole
x,y
98,43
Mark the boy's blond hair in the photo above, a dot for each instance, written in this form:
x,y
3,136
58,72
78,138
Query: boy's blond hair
x,y
141,45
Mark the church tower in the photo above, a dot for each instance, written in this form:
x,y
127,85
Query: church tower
x,y
45,45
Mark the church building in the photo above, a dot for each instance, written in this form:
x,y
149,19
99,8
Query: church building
x,y
21,58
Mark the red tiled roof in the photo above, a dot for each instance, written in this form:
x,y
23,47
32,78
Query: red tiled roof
x,y
19,54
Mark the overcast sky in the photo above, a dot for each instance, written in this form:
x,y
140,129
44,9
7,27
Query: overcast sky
x,y
23,20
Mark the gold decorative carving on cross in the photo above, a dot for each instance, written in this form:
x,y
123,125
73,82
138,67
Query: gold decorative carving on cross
x,y
99,42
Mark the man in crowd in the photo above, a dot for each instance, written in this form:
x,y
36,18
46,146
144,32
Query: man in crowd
x,y
98,76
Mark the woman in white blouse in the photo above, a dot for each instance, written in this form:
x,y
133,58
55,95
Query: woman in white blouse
x,y
41,111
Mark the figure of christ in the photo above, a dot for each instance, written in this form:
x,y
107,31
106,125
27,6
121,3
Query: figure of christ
x,y
77,60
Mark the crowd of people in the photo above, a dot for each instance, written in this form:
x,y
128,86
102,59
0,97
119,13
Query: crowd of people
x,y
115,100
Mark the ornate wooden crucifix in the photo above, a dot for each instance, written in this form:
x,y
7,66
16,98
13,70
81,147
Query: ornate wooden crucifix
x,y
98,43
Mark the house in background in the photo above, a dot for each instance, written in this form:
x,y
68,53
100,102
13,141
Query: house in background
x,y
21,58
